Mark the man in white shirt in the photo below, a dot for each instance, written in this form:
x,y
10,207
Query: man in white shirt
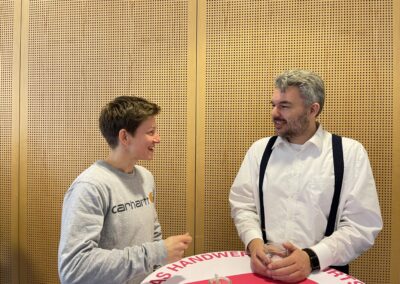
x,y
298,189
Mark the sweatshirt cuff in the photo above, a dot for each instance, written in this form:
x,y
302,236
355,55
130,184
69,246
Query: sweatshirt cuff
x,y
163,252
324,255
156,254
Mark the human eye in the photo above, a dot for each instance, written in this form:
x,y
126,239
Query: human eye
x,y
152,132
284,106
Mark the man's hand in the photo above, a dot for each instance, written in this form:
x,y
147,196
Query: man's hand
x,y
259,260
294,268
176,246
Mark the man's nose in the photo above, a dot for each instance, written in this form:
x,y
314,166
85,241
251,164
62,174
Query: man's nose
x,y
274,112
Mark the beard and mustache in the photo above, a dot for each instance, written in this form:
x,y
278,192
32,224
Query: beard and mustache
x,y
291,128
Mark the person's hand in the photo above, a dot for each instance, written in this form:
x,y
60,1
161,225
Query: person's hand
x,y
176,246
259,259
294,268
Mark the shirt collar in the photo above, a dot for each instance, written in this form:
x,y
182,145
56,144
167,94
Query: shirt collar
x,y
316,139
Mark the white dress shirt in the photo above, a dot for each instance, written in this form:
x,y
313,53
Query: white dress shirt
x,y
298,190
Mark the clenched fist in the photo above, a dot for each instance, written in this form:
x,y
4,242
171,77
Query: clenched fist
x,y
176,246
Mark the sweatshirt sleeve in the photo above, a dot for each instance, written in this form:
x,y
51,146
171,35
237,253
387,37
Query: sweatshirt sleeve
x,y
157,228
157,225
80,260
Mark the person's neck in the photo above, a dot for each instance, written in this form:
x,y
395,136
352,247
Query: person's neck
x,y
119,161
306,135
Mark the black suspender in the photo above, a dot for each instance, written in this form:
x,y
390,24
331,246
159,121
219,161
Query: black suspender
x,y
338,165
263,167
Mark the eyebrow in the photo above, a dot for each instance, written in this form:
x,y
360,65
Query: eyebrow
x,y
282,103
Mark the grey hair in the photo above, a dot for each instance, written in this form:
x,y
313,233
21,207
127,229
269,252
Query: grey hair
x,y
310,84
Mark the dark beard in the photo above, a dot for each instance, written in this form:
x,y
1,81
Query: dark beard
x,y
296,128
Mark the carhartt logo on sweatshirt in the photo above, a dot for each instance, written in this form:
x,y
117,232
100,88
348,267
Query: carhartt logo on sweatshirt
x,y
132,204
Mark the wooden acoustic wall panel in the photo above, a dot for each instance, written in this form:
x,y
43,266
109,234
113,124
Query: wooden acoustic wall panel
x,y
349,43
80,55
6,124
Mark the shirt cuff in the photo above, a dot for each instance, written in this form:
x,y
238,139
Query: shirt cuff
x,y
249,236
324,255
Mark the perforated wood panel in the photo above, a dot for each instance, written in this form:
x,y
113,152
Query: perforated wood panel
x,y
80,55
6,75
77,55
247,43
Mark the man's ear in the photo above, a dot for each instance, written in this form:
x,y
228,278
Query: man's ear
x,y
123,137
314,109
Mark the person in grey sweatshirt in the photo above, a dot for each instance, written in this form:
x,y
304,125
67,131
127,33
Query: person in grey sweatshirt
x,y
110,231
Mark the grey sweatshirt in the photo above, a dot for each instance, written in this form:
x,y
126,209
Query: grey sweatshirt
x,y
110,232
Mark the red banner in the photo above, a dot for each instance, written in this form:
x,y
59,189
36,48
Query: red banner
x,y
251,278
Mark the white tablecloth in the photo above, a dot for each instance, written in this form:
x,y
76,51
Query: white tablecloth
x,y
234,265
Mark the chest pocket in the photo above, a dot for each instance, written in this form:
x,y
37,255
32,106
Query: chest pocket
x,y
319,193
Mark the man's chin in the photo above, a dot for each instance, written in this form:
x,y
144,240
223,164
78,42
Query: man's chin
x,y
279,132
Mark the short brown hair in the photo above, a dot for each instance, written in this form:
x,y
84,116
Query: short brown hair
x,y
124,112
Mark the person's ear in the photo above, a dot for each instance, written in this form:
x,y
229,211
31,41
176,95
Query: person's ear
x,y
123,137
314,109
